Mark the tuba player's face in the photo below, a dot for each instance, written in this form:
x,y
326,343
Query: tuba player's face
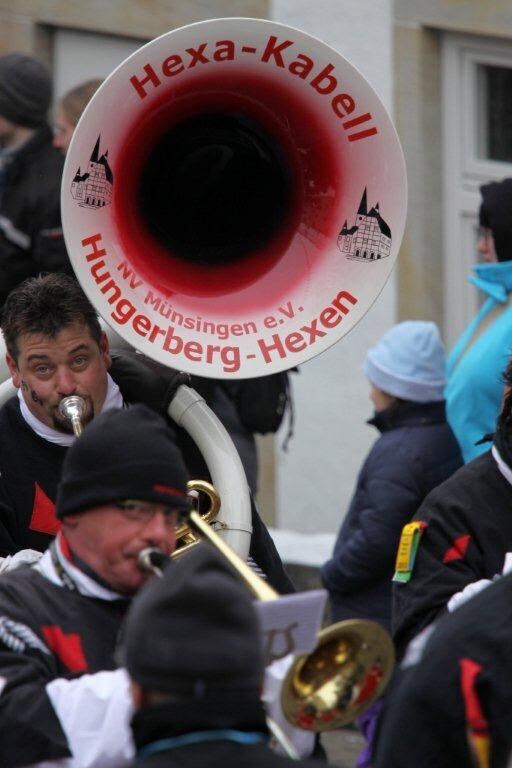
x,y
50,368
110,538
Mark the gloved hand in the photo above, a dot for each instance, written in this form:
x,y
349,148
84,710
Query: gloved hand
x,y
470,590
23,557
145,380
175,380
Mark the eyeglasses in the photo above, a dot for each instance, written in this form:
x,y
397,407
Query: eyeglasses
x,y
143,512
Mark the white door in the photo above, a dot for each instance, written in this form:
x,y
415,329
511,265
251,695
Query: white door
x,y
477,148
81,56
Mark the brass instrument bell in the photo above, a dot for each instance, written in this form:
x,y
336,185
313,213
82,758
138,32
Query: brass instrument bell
x,y
334,684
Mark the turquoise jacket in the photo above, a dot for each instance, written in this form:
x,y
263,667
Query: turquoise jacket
x,y
475,386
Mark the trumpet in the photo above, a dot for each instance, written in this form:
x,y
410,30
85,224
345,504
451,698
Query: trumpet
x,y
328,688
73,409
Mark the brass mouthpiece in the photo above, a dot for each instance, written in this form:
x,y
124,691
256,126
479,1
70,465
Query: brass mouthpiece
x,y
153,560
73,409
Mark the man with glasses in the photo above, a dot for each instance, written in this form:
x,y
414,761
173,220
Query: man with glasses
x,y
474,391
62,701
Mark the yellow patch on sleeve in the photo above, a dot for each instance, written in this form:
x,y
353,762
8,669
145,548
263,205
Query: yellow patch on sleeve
x,y
407,549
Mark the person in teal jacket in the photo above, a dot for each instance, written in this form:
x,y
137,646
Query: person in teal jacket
x,y
475,385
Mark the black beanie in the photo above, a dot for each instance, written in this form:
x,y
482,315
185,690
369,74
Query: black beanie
x,y
122,454
25,90
195,632
496,215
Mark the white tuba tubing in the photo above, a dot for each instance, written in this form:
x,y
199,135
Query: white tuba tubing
x,y
189,410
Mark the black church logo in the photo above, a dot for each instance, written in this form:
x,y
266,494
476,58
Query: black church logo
x,y
93,189
369,238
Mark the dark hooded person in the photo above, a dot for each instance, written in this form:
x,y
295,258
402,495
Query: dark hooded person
x,y
452,699
31,238
474,390
463,534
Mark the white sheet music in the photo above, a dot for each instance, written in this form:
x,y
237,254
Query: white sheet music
x,y
290,625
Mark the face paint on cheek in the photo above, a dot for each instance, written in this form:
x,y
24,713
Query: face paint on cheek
x,y
35,397
24,386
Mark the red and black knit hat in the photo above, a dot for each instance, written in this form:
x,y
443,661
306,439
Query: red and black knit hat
x,y
123,454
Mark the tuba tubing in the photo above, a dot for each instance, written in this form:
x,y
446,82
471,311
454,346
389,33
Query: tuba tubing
x,y
189,410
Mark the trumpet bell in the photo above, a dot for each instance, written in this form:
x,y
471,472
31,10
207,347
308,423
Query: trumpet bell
x,y
347,671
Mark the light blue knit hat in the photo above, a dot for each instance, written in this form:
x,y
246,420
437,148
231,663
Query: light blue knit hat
x,y
409,362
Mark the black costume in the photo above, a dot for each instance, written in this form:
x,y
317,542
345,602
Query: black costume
x,y
31,239
155,724
30,469
46,632
468,533
455,689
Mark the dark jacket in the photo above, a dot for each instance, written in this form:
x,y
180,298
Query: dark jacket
x,y
46,632
456,681
416,451
468,533
31,239
156,723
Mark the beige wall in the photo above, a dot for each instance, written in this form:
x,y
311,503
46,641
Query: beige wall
x,y
26,25
481,17
417,36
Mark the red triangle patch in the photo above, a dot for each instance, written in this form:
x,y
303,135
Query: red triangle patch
x,y
68,648
43,518
475,718
458,550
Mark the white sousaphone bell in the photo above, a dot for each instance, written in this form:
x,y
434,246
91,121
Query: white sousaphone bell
x,y
233,202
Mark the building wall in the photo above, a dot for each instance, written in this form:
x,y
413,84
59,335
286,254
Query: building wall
x,y
316,477
418,30
147,19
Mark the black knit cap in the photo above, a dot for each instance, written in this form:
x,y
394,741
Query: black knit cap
x,y
123,454
194,634
496,215
25,90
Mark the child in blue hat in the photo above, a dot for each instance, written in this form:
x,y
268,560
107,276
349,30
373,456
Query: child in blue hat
x,y
416,451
